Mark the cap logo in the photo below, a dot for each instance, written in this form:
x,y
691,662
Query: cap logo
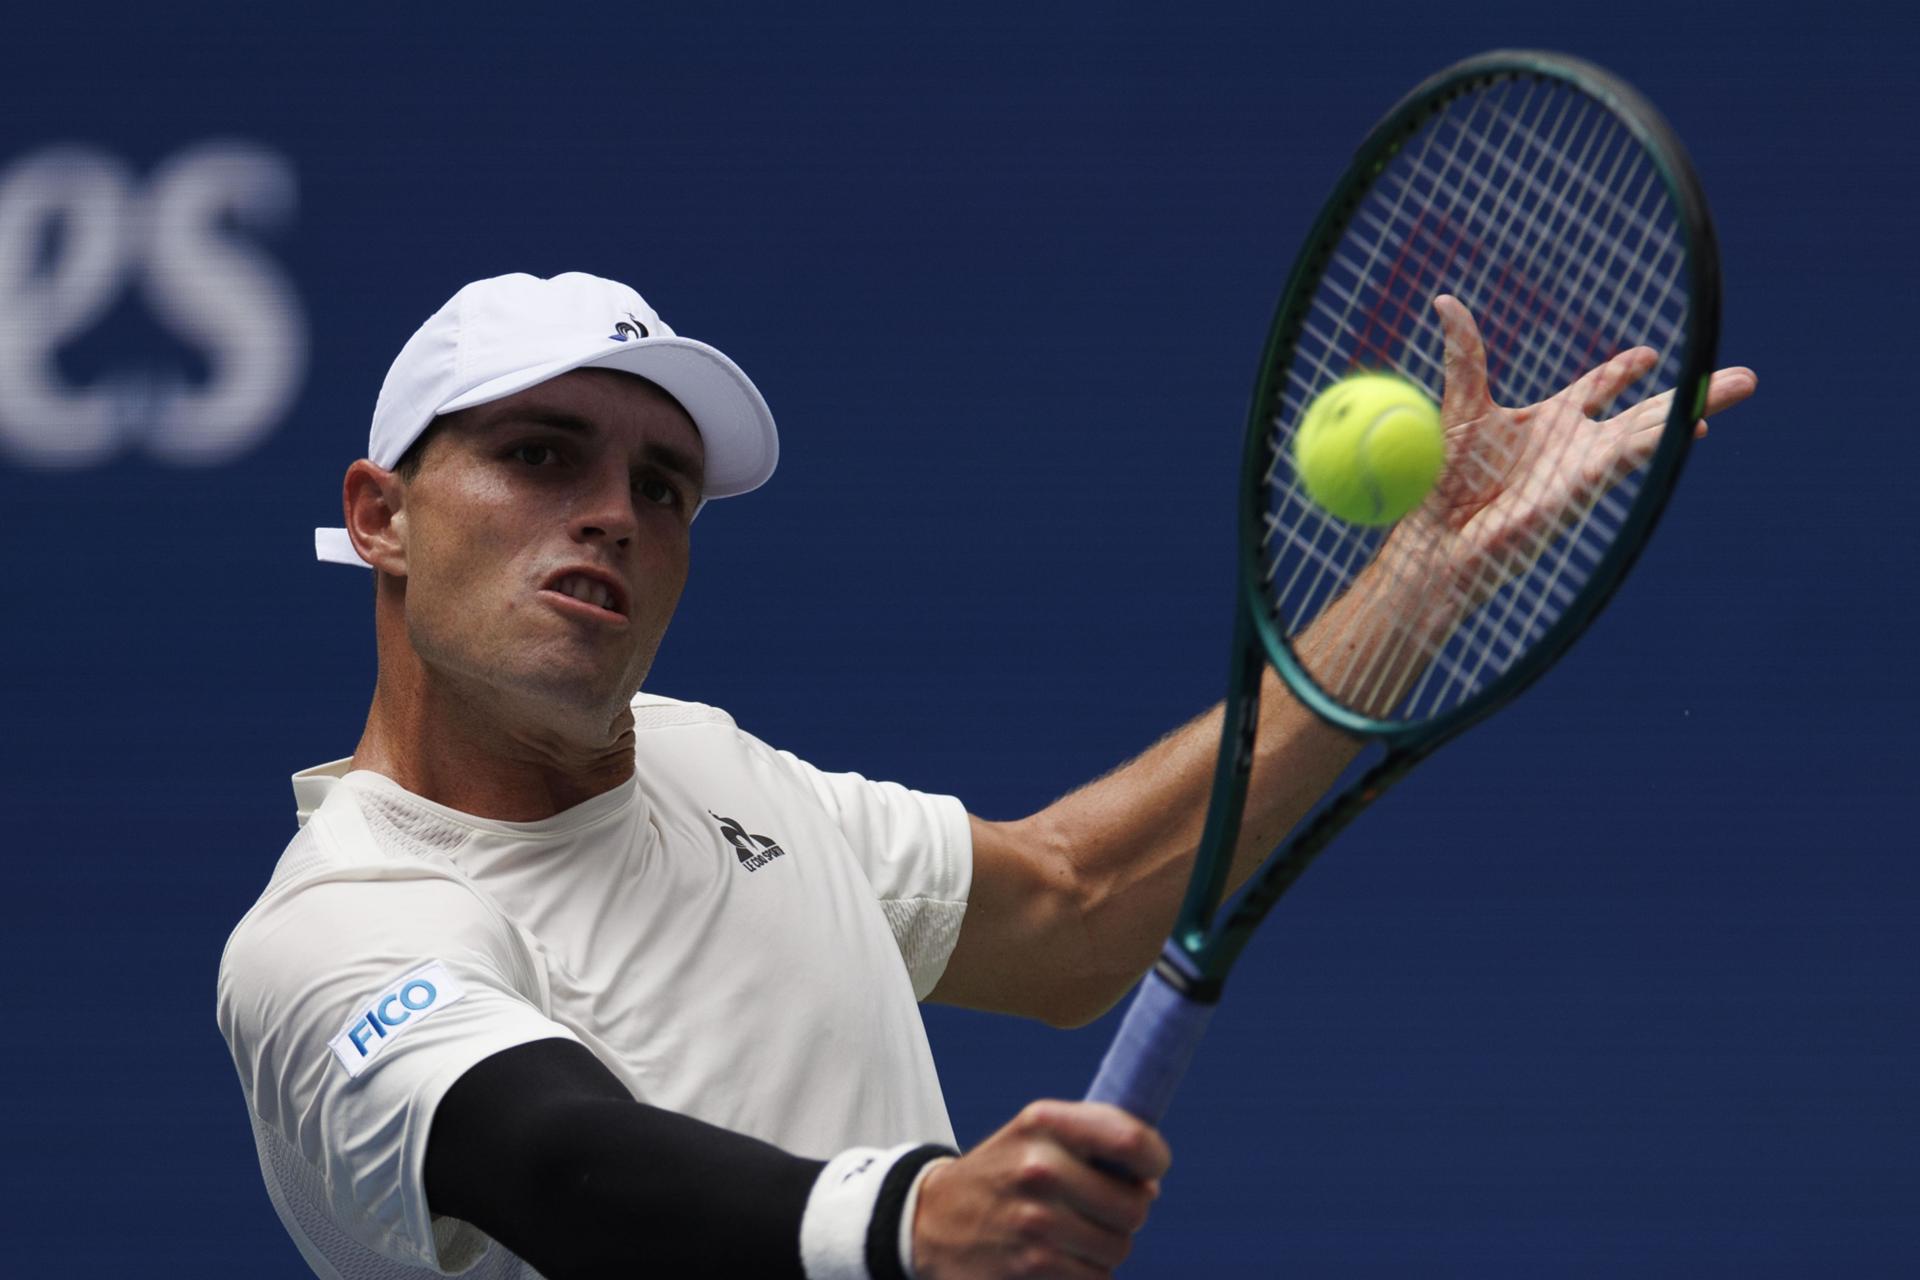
x,y
631,327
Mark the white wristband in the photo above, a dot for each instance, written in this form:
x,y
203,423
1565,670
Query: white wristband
x,y
858,1202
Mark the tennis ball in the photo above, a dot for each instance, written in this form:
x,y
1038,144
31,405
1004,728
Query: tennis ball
x,y
1370,448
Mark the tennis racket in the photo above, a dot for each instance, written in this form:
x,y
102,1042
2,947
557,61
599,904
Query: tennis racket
x,y
1552,203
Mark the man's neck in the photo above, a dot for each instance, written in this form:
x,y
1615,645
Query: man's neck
x,y
472,754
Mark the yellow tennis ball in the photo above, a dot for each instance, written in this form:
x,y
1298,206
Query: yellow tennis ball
x,y
1370,448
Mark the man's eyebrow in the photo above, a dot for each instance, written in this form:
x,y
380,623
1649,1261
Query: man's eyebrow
x,y
661,455
679,461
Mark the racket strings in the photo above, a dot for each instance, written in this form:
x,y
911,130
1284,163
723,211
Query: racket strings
x,y
1337,553
1536,353
1499,636
1605,490
1371,686
1542,214
1395,655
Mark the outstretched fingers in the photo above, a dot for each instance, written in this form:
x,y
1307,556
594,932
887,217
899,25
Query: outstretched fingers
x,y
1465,397
1595,389
1637,430
1726,388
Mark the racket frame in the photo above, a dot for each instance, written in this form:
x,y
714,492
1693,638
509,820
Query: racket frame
x,y
1207,948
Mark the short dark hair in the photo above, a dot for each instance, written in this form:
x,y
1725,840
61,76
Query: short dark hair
x,y
409,465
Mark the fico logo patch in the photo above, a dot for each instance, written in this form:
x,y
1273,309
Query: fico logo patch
x,y
418,996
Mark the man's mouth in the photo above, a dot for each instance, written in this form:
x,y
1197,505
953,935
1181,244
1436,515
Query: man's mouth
x,y
589,589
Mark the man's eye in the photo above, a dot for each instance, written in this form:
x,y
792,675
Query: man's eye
x,y
659,492
534,455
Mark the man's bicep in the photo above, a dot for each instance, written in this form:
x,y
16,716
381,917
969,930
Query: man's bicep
x,y
1020,943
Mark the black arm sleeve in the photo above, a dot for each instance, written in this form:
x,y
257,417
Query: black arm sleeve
x,y
543,1148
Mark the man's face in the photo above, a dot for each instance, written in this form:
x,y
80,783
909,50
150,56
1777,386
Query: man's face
x,y
546,540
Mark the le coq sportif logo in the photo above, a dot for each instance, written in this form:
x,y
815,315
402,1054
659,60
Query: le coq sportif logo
x,y
753,851
630,328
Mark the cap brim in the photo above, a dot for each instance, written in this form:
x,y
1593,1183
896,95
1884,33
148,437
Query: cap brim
x,y
736,427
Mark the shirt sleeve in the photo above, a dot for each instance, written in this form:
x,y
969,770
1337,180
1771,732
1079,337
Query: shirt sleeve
x,y
916,850
351,1007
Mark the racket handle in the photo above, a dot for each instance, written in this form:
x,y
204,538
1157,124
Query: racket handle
x,y
1157,1038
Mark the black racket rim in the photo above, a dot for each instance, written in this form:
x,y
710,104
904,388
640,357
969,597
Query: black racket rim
x,y
1212,945
1657,138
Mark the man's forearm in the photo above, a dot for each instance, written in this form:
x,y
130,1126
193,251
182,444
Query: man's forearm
x,y
541,1147
1132,835
1126,842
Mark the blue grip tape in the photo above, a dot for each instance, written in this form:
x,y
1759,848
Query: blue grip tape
x,y
1157,1038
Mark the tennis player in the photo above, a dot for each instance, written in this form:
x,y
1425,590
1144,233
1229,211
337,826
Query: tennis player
x,y
561,978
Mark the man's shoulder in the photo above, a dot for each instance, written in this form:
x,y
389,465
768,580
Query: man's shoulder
x,y
309,859
345,863
673,737
655,713
691,752
336,844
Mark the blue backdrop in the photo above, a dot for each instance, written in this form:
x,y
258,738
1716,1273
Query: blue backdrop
x,y
1624,982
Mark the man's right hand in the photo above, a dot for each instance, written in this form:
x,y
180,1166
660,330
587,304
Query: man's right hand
x,y
1031,1201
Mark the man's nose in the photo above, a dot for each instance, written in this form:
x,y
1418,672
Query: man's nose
x,y
606,511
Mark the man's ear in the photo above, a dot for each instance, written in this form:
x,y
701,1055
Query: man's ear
x,y
374,501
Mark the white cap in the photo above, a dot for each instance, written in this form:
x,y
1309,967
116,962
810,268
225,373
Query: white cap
x,y
500,336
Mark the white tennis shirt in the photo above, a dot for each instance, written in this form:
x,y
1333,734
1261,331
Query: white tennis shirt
x,y
737,935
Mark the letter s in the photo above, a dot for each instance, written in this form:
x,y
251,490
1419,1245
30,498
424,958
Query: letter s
x,y
223,295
